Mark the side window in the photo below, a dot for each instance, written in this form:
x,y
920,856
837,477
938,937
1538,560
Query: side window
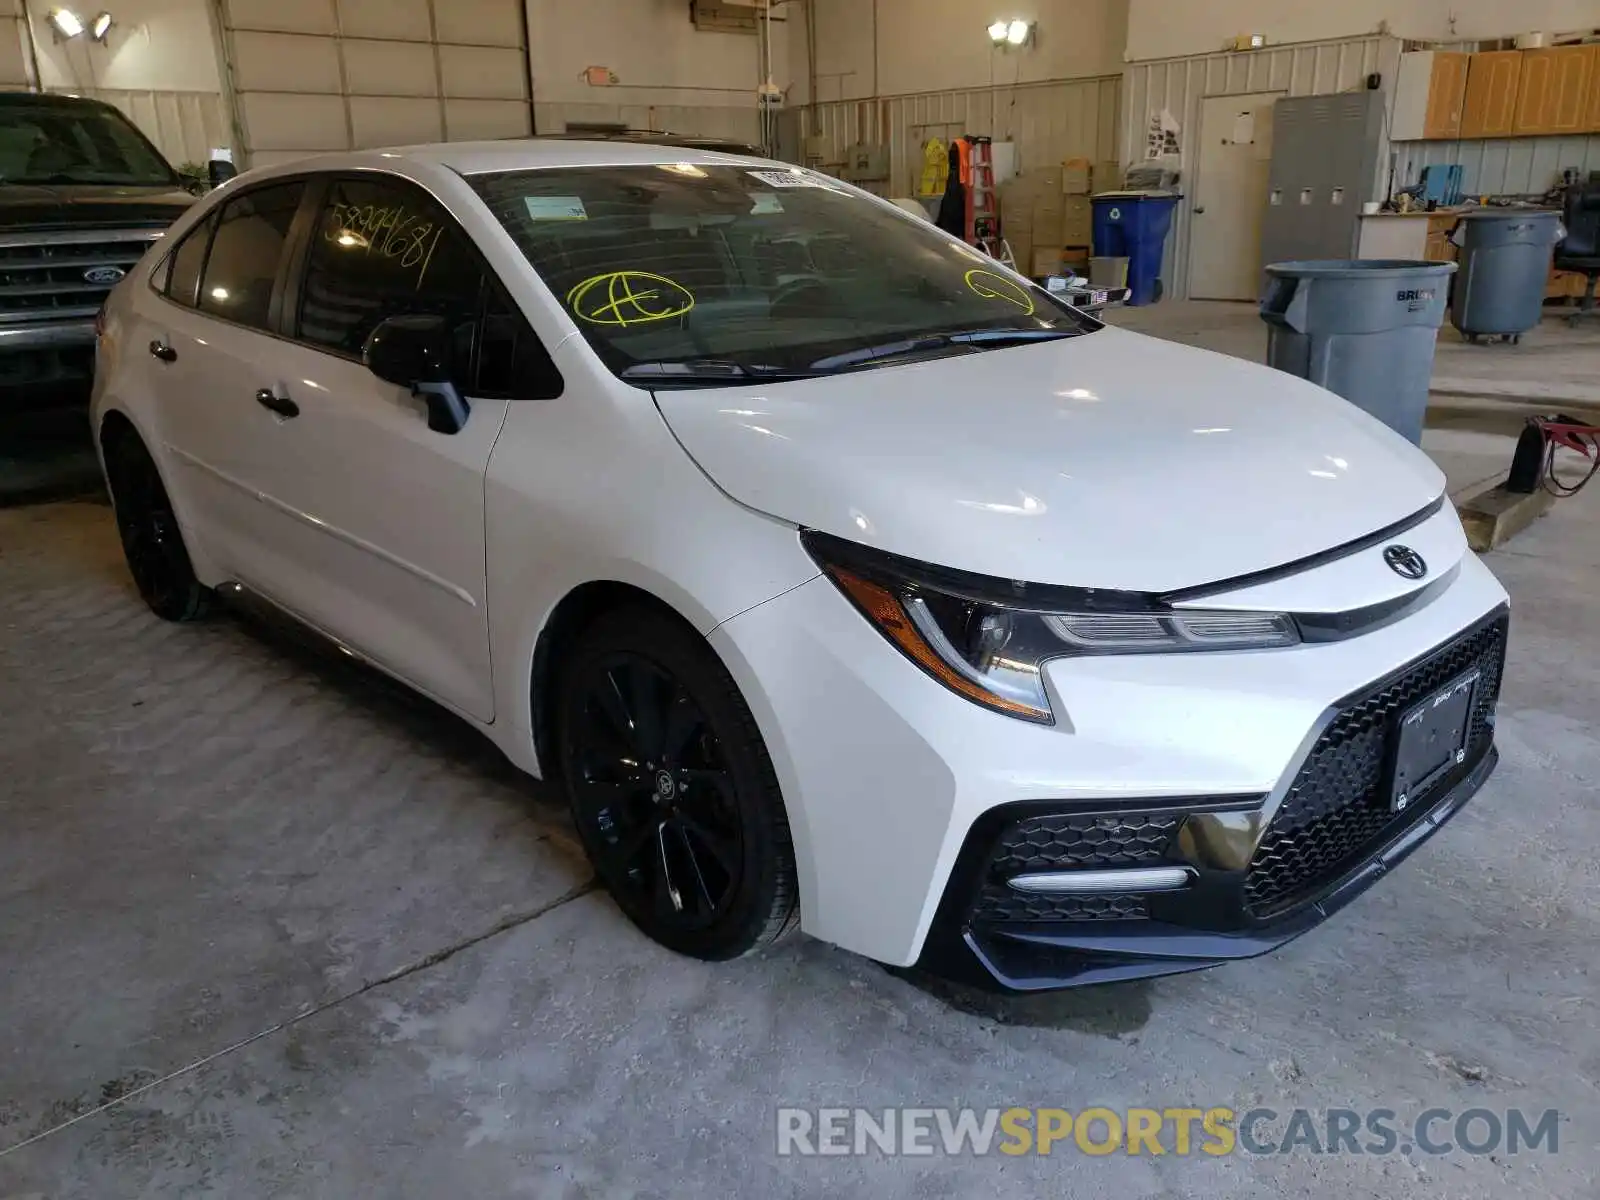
x,y
382,248
245,252
512,362
184,263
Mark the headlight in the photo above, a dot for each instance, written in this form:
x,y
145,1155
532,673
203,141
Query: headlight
x,y
988,639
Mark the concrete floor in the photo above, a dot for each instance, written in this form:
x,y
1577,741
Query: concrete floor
x,y
270,929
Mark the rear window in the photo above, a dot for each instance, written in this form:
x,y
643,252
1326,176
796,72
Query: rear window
x,y
246,250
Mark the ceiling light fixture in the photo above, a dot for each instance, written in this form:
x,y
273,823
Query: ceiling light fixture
x,y
65,22
997,32
100,26
1018,32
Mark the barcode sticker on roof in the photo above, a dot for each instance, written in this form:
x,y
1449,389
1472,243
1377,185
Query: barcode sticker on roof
x,y
787,179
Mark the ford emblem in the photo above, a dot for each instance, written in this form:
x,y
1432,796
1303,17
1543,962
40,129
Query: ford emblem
x,y
103,274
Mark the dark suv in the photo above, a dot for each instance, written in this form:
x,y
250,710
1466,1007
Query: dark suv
x,y
83,194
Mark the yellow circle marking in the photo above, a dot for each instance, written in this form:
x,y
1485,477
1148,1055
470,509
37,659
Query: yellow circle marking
x,y
997,287
629,298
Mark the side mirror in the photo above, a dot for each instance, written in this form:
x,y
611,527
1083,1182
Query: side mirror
x,y
220,170
414,352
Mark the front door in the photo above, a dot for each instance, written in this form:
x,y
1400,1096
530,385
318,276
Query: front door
x,y
1230,197
381,519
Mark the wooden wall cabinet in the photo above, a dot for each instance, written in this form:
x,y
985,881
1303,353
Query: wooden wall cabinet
x,y
1591,106
1553,90
1494,80
1430,95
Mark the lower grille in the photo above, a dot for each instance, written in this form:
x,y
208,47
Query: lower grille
x,y
1336,812
1061,842
1000,904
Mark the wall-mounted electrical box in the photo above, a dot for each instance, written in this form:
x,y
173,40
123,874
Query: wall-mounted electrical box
x,y
866,162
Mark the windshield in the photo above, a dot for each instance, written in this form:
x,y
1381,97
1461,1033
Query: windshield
x,y
684,274
57,143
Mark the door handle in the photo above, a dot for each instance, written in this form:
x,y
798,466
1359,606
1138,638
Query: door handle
x,y
281,405
1199,208
163,351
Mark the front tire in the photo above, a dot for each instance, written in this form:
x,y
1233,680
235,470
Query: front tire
x,y
672,790
152,542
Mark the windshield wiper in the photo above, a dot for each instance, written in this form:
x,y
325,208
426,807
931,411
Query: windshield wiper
x,y
711,372
923,344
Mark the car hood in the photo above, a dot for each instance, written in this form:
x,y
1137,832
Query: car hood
x,y
1110,460
26,206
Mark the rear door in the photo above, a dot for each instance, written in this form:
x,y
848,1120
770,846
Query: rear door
x,y
209,335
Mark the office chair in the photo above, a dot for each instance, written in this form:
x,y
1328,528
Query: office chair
x,y
1579,251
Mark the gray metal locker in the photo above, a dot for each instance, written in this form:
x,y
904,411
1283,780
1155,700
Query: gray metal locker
x,y
1324,165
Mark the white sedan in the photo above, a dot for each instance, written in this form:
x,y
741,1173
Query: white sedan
x,y
843,577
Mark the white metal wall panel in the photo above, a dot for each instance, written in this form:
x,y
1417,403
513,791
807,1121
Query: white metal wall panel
x,y
309,76
1501,166
1075,118
740,123
1178,85
13,66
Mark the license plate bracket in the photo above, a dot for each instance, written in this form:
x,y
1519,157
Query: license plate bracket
x,y
1430,739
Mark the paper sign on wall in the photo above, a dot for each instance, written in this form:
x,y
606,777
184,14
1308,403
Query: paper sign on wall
x,y
1244,128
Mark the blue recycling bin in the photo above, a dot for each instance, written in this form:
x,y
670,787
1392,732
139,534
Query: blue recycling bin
x,y
1133,225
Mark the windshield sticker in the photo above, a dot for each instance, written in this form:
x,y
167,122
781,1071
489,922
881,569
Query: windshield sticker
x,y
765,202
555,208
629,298
997,287
787,179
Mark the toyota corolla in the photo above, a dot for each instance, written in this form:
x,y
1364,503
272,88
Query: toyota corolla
x,y
844,578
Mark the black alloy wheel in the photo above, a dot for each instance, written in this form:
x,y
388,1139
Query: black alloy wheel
x,y
671,788
152,541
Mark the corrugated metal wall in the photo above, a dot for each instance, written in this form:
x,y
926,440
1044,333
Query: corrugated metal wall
x,y
1074,118
1501,166
1178,85
310,76
183,125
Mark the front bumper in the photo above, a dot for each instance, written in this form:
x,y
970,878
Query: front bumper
x,y
898,791
46,364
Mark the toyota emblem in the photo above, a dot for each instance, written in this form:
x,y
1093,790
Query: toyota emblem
x,y
1405,561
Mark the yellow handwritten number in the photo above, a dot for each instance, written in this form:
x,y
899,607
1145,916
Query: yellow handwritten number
x,y
629,298
997,287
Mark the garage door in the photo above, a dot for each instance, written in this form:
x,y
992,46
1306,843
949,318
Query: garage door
x,y
311,76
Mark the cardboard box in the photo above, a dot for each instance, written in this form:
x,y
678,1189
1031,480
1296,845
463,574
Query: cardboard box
x,y
1108,272
1076,176
1046,261
1076,257
1077,221
1106,176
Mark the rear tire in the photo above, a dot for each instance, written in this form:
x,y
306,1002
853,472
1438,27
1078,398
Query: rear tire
x,y
152,541
672,789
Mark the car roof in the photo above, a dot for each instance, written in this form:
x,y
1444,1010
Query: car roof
x,y
480,158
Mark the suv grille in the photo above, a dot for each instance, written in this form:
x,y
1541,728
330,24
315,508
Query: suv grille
x,y
1336,812
42,274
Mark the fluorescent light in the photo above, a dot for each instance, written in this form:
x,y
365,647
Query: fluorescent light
x,y
67,22
997,32
100,26
1017,32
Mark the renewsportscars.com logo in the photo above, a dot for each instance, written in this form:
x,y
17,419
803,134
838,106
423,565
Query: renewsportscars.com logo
x,y
1099,1131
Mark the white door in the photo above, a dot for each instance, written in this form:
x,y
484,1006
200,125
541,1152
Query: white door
x,y
381,518
1230,196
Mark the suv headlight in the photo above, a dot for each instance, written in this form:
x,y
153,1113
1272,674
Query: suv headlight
x,y
988,639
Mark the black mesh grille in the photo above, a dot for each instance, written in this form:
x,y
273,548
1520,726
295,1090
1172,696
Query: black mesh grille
x,y
1068,842
1061,842
998,903
1336,812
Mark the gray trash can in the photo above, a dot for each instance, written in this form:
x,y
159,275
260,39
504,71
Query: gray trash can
x,y
1364,329
1505,261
